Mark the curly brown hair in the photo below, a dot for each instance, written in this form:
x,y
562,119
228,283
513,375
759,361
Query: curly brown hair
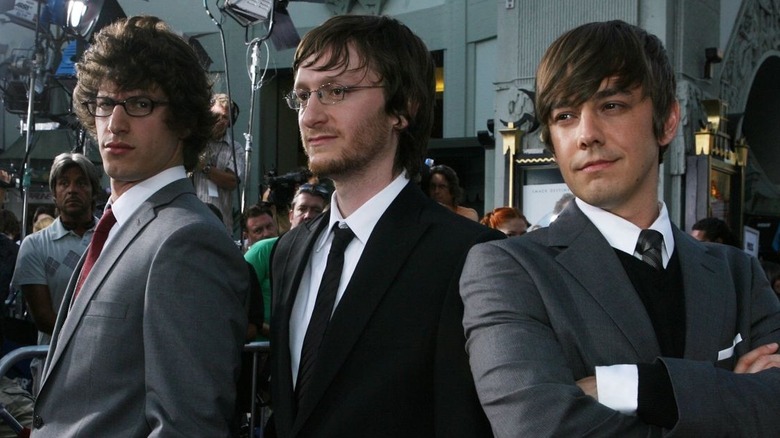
x,y
143,53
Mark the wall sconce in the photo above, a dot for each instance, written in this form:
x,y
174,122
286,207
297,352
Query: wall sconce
x,y
713,56
510,139
439,79
742,150
704,142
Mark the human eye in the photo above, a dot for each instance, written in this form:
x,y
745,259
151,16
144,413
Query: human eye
x,y
611,106
336,92
139,103
104,104
562,116
302,95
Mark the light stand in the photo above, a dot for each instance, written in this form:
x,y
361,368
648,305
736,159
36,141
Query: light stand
x,y
26,171
254,83
254,46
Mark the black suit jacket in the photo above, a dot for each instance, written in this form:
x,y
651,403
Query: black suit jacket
x,y
393,361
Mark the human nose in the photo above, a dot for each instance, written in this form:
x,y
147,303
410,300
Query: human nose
x,y
312,111
118,119
72,187
590,132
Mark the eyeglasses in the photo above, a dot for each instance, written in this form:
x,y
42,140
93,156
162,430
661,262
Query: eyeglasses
x,y
137,106
315,189
328,94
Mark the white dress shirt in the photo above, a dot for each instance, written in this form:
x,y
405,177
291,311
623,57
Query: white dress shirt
x,y
362,223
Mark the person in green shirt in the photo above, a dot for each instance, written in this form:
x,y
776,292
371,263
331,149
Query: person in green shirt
x,y
309,201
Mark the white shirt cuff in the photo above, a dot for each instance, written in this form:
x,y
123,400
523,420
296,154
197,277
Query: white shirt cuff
x,y
618,387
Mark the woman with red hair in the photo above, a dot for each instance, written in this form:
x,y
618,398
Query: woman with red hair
x,y
508,220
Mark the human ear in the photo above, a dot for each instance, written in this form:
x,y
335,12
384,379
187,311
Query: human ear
x,y
670,125
401,123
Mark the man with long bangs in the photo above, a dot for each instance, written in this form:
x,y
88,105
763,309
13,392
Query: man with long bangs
x,y
612,321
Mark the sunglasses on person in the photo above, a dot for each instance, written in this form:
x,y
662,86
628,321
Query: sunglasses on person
x,y
315,189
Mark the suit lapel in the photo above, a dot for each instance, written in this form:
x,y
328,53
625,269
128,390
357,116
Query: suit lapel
x,y
605,280
703,285
296,256
394,237
108,258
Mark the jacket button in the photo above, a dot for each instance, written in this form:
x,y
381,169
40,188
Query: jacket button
x,y
37,422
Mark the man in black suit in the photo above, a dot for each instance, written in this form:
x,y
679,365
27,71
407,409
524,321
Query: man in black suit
x,y
391,361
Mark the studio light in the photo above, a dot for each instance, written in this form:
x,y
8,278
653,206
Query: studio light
x,y
82,15
249,12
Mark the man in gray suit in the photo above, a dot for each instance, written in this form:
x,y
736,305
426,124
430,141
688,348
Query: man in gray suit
x,y
147,342
572,330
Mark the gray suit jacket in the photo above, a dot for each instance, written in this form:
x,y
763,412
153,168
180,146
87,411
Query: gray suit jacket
x,y
543,310
152,345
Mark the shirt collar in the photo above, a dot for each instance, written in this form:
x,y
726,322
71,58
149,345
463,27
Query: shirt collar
x,y
365,218
622,234
57,230
124,206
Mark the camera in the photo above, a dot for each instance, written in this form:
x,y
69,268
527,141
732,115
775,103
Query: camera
x,y
282,187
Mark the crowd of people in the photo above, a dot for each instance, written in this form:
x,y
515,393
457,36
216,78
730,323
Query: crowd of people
x,y
391,308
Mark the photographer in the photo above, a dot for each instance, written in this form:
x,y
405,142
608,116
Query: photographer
x,y
279,194
214,178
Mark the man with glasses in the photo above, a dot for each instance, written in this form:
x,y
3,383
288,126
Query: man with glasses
x,y
148,339
366,334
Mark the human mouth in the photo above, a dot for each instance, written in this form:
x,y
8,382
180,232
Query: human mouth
x,y
117,148
596,165
319,140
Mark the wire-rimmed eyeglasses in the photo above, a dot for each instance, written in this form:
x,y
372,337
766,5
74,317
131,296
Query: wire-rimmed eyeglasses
x,y
328,94
136,106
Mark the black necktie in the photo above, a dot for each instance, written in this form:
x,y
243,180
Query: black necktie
x,y
649,247
323,308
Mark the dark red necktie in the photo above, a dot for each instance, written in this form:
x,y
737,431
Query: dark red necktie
x,y
99,237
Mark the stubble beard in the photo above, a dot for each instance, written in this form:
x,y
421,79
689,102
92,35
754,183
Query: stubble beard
x,y
368,143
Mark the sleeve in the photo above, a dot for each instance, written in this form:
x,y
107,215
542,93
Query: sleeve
x,y
457,407
524,382
194,324
256,299
716,401
259,256
240,159
29,264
